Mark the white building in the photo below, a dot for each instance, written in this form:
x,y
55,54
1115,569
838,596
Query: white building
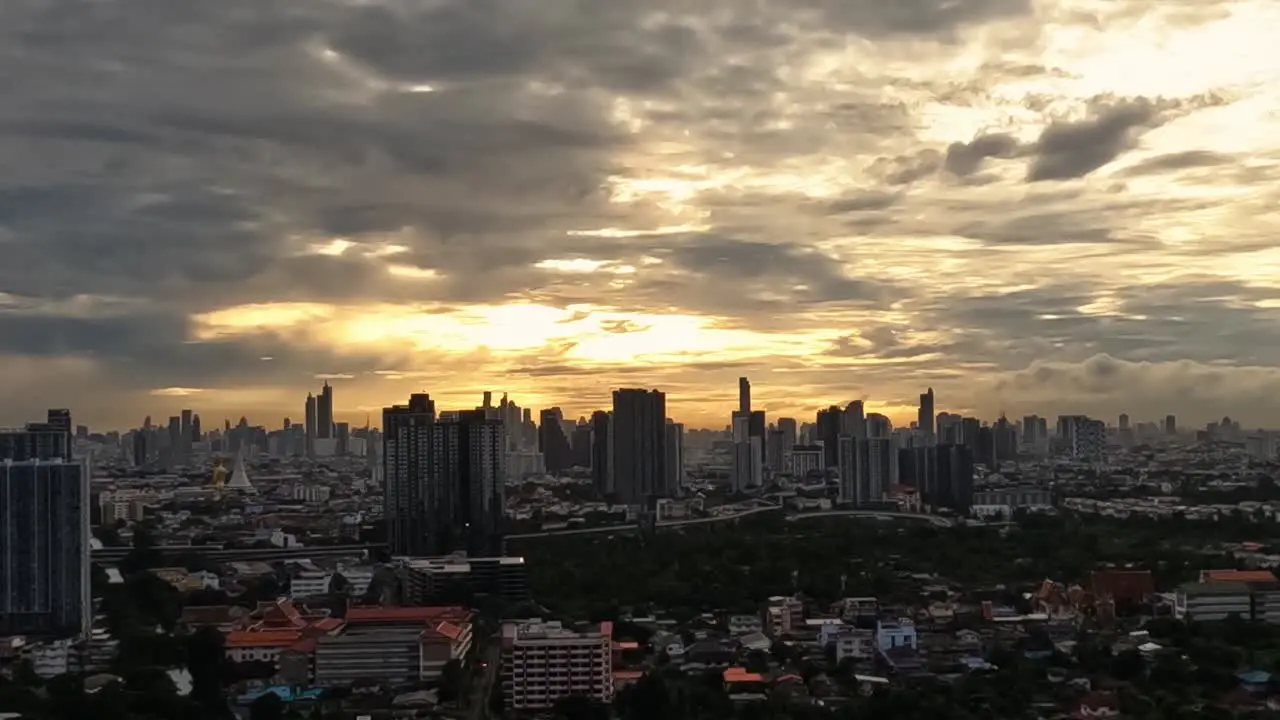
x,y
542,662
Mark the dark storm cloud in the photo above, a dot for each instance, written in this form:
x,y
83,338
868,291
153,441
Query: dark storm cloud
x,y
1068,150
964,159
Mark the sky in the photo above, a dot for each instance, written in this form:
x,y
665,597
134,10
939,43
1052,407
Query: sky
x,y
1052,206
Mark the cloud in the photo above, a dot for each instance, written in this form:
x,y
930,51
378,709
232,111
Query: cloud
x,y
548,196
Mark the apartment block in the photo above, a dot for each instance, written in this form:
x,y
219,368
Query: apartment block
x,y
543,662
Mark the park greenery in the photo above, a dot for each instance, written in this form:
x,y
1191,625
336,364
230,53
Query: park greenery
x,y
736,566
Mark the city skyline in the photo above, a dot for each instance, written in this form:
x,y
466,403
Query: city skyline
x,y
1031,206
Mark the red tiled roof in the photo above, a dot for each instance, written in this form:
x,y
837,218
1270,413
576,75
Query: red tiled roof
x,y
305,645
327,624
1237,576
425,615
740,675
264,638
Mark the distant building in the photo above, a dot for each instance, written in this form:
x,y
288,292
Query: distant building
x,y
638,440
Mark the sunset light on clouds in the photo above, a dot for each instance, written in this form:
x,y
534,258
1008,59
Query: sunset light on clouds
x,y
1029,205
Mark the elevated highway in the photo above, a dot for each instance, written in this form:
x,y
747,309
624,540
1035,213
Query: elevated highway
x,y
220,554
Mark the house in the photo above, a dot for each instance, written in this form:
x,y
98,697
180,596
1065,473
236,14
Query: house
x,y
1098,705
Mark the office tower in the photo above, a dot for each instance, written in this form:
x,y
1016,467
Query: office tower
x,y
406,472
854,420
60,419
774,449
828,434
175,440
875,467
746,470
184,435
1125,432
464,497
744,396
1031,430
790,433
879,426
969,430
342,433
675,457
139,442
600,455
953,478
44,543
949,428
552,442
488,400
925,420
1170,425
196,433
580,444
310,415
757,428
1124,421
324,412
639,445
1004,440
984,450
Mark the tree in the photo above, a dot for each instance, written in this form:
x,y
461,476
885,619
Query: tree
x,y
268,706
451,679
577,707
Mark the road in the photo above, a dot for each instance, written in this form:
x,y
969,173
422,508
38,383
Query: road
x,y
116,554
478,703
677,524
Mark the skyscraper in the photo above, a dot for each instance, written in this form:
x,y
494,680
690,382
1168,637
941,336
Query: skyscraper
x,y
854,421
828,433
600,453
639,435
324,412
44,537
37,442
465,489
552,441
674,457
744,396
925,420
1170,425
60,419
952,485
184,435
406,471
746,472
310,415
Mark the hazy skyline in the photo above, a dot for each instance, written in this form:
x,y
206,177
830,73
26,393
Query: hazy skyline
x,y
1030,205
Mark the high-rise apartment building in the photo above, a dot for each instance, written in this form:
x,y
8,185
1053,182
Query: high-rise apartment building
x,y
601,478
465,488
60,419
828,434
639,441
790,433
675,456
1170,425
952,485
406,472
37,442
443,480
44,542
879,426
875,468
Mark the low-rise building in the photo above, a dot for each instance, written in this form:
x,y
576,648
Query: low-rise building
x,y
543,662
1210,601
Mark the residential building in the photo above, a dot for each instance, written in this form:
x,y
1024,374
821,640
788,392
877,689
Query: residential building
x,y
638,438
542,663
44,545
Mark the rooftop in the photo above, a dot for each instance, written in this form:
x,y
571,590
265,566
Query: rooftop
x,y
424,615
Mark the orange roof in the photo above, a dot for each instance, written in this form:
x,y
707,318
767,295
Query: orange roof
x,y
740,675
449,630
1237,576
626,645
264,638
628,674
424,615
